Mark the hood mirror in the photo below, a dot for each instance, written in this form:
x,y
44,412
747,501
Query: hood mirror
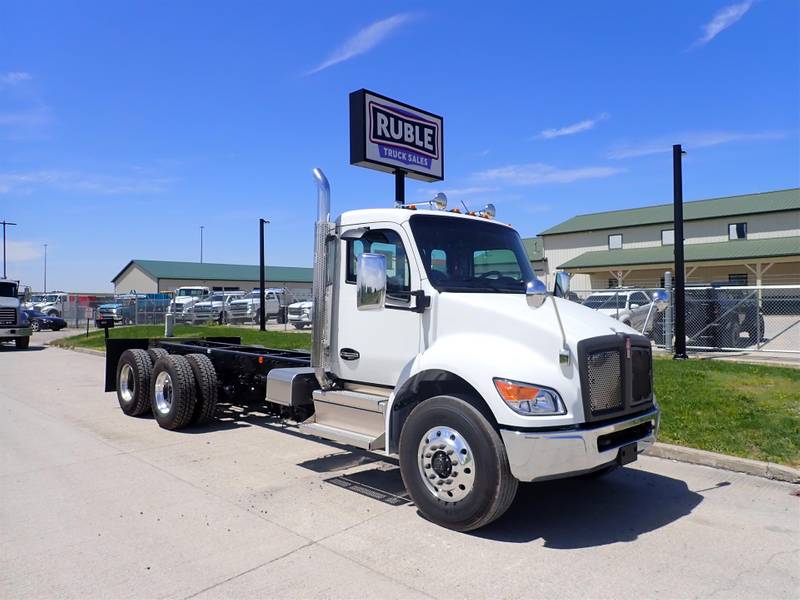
x,y
661,300
535,293
561,288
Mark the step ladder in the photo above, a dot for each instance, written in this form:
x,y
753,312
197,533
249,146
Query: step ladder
x,y
348,417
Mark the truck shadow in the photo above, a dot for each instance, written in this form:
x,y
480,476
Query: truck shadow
x,y
583,513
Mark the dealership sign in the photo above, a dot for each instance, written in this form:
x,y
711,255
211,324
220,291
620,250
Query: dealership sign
x,y
391,136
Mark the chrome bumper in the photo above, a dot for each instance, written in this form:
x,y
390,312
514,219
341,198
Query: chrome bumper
x,y
15,332
555,454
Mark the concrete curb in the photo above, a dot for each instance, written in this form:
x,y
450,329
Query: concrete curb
x,y
723,461
77,349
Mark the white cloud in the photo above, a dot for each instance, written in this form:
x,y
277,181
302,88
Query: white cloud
x,y
539,173
70,181
689,140
364,40
13,78
722,19
578,127
17,251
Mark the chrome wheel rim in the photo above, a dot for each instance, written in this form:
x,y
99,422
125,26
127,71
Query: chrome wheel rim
x,y
127,383
446,464
163,392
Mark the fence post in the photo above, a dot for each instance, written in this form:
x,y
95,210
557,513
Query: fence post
x,y
667,320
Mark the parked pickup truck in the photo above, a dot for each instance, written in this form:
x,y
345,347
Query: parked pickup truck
x,y
215,308
14,324
133,308
628,306
474,379
185,298
248,308
300,314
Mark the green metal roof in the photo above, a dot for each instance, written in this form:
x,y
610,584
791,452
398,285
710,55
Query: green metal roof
x,y
167,269
738,250
534,248
764,202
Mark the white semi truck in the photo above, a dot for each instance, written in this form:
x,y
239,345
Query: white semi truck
x,y
185,298
14,324
433,342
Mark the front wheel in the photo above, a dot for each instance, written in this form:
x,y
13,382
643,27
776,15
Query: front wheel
x,y
35,326
22,343
454,464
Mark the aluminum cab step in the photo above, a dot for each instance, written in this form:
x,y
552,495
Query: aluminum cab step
x,y
343,436
348,417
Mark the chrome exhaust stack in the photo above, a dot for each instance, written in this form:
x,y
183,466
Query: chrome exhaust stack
x,y
320,346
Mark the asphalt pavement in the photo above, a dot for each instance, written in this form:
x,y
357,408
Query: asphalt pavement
x,y
94,504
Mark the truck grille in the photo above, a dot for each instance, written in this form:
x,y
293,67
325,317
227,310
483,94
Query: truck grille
x,y
605,380
616,375
295,312
8,316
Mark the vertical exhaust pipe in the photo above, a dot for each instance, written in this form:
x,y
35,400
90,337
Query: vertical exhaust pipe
x,y
320,346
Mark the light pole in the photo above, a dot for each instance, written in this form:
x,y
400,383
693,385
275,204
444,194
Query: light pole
x,y
680,273
4,245
201,243
262,318
45,269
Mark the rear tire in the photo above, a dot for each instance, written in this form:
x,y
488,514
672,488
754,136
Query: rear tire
x,y
205,377
22,343
133,382
155,354
35,326
434,485
172,391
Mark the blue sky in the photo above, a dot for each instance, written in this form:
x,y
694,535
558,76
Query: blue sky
x,y
126,126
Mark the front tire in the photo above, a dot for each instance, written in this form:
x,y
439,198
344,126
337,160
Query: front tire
x,y
454,464
22,343
35,326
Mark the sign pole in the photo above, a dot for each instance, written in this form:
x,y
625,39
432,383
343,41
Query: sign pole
x,y
399,187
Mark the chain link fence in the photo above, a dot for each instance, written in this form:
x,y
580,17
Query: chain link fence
x,y
752,318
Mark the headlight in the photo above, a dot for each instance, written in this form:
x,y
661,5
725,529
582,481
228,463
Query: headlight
x,y
529,399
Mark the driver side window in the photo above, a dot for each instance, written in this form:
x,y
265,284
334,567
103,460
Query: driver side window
x,y
388,243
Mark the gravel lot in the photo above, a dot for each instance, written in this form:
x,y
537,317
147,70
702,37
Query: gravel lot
x,y
94,504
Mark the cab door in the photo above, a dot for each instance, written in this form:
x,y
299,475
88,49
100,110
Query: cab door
x,y
373,346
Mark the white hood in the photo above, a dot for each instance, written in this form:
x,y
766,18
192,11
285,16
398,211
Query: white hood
x,y
6,302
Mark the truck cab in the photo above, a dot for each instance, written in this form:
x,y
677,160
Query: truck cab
x,y
51,304
14,324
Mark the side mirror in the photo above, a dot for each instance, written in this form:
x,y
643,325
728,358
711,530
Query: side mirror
x,y
535,293
562,284
634,305
371,281
661,300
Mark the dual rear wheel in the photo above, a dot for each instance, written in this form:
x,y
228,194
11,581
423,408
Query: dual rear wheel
x,y
178,390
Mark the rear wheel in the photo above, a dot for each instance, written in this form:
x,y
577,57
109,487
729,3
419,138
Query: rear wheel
x,y
172,391
454,464
22,343
133,382
156,353
205,377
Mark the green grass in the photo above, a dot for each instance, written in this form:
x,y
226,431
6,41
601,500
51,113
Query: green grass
x,y
744,410
271,339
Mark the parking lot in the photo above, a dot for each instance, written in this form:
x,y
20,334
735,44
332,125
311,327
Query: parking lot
x,y
96,504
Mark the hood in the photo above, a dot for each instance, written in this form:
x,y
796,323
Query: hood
x,y
184,300
109,306
305,304
5,302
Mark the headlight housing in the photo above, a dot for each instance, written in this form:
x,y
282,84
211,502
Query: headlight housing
x,y
529,399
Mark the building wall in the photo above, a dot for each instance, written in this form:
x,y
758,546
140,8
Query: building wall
x,y
560,248
133,278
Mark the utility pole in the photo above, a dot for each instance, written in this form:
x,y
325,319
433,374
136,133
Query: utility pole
x,y
44,289
201,243
262,315
680,271
4,222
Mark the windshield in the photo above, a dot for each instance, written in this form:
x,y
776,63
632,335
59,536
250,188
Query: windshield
x,y
217,298
8,289
37,298
606,301
51,298
190,292
465,255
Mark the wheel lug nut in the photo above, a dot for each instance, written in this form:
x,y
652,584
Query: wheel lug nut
x,y
440,482
431,476
449,481
449,451
428,465
428,455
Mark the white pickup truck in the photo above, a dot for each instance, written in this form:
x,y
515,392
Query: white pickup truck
x,y
185,298
248,308
300,314
434,342
14,324
215,308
